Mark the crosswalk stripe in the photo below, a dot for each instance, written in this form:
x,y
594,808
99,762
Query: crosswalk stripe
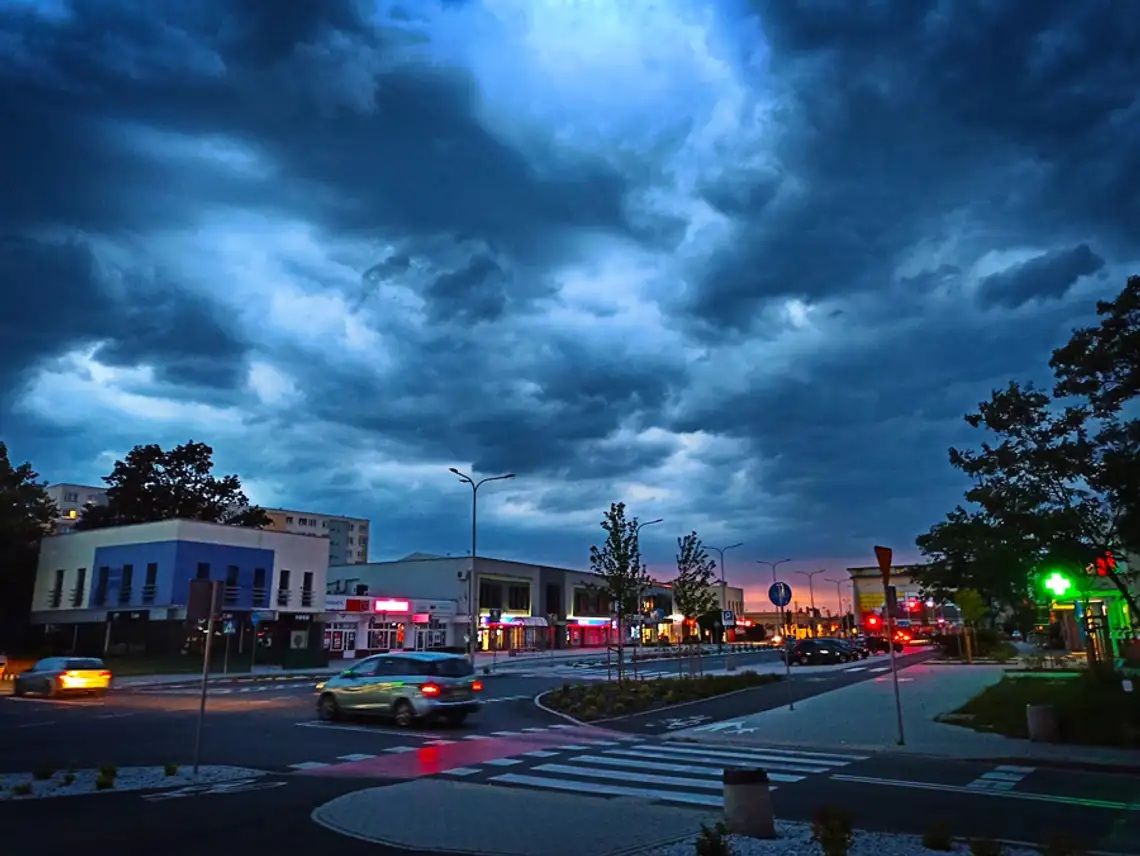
x,y
533,730
822,757
397,749
308,765
856,669
540,753
625,776
761,758
713,772
572,746
461,771
356,756
506,734
502,762
723,762
712,800
476,737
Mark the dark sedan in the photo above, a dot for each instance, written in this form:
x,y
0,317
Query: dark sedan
x,y
879,645
818,652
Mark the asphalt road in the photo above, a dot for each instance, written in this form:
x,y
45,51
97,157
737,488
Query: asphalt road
x,y
271,726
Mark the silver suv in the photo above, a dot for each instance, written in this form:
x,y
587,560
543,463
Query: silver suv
x,y
404,686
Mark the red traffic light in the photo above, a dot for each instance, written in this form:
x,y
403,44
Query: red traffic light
x,y
872,620
1105,563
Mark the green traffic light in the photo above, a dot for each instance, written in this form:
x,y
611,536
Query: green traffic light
x,y
1058,583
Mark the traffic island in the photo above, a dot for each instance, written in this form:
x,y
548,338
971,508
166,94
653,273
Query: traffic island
x,y
597,701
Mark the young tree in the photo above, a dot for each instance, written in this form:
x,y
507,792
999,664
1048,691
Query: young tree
x,y
153,484
692,592
26,514
618,563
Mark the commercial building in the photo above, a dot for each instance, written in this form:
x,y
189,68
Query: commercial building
x,y
348,536
124,589
70,500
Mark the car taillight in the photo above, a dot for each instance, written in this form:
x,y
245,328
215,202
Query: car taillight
x,y
430,690
105,675
477,686
69,675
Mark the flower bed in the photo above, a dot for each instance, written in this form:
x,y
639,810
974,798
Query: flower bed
x,y
593,701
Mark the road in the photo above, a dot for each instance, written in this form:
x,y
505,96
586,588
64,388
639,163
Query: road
x,y
511,743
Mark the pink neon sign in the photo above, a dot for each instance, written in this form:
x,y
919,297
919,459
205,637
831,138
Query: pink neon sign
x,y
387,604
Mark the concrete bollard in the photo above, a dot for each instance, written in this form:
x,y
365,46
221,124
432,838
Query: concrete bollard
x,y
1042,723
748,803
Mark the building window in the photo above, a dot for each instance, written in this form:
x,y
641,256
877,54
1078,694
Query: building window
x,y
283,589
307,589
324,524
288,521
349,539
77,592
126,584
72,513
151,584
351,527
230,593
56,597
260,592
100,595
518,598
490,595
71,496
203,570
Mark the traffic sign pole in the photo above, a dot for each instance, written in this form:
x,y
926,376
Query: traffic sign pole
x,y
214,586
884,556
781,595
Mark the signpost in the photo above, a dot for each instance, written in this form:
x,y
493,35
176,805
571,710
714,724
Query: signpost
x,y
203,598
780,593
229,628
884,556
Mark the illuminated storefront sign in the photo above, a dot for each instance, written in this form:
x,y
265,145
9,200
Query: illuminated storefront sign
x,y
387,604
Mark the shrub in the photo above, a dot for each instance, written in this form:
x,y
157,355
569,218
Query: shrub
x,y
938,837
43,774
22,790
170,769
832,829
984,847
713,841
104,783
108,771
1061,844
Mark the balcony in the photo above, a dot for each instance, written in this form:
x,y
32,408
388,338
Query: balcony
x,y
100,596
125,595
148,593
260,596
283,597
77,596
55,598
306,598
230,595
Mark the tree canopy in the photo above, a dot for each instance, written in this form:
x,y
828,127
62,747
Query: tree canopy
x,y
1056,478
154,484
692,595
26,514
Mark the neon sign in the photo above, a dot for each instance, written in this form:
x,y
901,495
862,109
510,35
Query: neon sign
x,y
387,604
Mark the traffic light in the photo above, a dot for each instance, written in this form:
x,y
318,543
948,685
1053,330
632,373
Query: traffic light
x,y
873,621
1105,563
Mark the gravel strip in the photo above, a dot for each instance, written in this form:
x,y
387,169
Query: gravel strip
x,y
795,840
126,779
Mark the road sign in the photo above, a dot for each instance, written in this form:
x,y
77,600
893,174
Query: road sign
x,y
884,554
229,627
780,594
728,618
495,616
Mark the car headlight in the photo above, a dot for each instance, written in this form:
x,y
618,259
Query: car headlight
x,y
320,686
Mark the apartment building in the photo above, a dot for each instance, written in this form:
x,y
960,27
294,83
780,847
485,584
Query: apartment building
x,y
70,500
348,536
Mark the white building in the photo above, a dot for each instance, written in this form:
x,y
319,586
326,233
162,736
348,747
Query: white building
x,y
348,536
126,587
70,500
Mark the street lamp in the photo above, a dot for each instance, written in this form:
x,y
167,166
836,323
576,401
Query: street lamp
x,y
472,603
637,535
811,593
839,595
773,566
723,590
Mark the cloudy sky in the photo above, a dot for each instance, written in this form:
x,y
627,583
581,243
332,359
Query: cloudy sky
x,y
742,265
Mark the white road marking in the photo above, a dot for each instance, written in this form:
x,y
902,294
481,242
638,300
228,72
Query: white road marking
x,y
540,753
572,746
856,669
506,733
533,730
714,801
503,762
1111,805
634,768
734,761
476,737
461,771
309,765
397,749
357,756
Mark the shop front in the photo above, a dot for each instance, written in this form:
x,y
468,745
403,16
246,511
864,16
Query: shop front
x,y
590,632
515,633
359,626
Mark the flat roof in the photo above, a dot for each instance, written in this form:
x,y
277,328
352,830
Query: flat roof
x,y
314,513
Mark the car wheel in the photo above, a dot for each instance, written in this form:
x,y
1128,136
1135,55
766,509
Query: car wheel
x,y
18,691
455,719
402,712
327,708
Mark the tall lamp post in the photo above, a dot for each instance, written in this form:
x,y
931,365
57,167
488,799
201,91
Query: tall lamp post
x,y
811,594
637,532
723,592
839,595
472,603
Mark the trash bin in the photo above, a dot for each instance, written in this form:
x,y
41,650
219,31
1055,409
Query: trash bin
x,y
748,803
1042,722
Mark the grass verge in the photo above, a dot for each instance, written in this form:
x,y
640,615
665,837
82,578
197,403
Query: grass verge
x,y
601,700
1093,709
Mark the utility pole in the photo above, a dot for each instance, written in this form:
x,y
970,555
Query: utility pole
x,y
637,535
472,602
811,594
839,597
723,593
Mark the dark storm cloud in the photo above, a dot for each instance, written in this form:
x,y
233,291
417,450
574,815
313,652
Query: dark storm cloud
x,y
1024,115
65,301
475,293
1047,276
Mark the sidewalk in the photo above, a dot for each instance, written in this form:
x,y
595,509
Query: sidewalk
x,y
862,716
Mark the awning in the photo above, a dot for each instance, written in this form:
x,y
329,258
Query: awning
x,y
532,621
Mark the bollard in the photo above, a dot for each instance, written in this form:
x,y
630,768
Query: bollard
x,y
1042,723
748,803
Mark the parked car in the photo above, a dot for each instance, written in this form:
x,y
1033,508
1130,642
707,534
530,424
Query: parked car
x,y
817,652
405,687
879,645
56,676
855,650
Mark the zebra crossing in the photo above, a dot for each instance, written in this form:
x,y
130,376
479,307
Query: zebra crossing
x,y
659,771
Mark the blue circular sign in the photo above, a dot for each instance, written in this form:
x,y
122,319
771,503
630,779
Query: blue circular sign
x,y
780,594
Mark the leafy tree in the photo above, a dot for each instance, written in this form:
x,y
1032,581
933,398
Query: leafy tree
x,y
618,564
154,484
26,515
692,595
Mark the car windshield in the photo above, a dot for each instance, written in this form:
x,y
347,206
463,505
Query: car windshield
x,y
452,667
46,665
88,663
